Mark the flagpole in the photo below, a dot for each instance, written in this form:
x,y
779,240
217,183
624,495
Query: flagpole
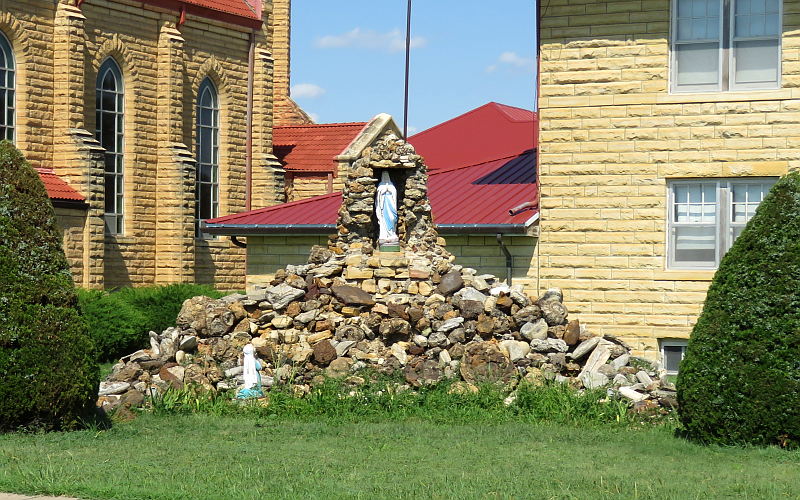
x,y
408,58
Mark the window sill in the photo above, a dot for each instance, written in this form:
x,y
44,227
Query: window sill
x,y
685,274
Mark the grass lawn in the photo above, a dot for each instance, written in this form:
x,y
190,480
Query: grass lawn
x,y
241,457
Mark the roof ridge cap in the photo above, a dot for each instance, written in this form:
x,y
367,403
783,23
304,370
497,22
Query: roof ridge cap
x,y
318,125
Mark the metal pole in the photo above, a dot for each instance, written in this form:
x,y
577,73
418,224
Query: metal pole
x,y
408,58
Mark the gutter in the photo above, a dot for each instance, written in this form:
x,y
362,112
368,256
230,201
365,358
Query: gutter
x,y
481,228
72,204
258,229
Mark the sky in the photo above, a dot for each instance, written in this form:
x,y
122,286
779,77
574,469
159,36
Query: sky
x,y
348,58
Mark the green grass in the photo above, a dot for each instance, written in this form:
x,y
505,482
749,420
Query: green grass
x,y
211,457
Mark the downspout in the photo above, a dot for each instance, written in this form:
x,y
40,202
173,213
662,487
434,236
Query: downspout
x,y
249,161
509,259
238,243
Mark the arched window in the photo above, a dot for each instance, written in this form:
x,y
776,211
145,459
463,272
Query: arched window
x,y
109,132
6,89
207,152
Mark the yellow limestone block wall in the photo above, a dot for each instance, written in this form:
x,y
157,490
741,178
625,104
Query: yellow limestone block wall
x,y
482,253
58,49
267,254
612,135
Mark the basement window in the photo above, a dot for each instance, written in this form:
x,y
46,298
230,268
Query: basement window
x,y
707,215
725,45
672,352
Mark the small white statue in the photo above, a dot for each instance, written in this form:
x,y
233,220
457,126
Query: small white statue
x,y
386,210
252,379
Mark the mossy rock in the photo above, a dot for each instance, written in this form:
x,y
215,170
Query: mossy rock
x,y
740,379
47,368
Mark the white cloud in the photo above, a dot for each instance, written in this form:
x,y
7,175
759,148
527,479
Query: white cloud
x,y
307,90
412,130
513,60
391,41
314,117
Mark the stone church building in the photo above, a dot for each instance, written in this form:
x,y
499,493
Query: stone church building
x,y
143,117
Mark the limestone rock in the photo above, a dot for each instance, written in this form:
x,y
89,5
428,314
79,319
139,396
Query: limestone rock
x,y
420,372
111,388
339,367
324,352
483,362
585,347
549,345
552,294
281,295
351,295
188,343
572,333
554,312
593,380
536,330
515,350
450,283
468,294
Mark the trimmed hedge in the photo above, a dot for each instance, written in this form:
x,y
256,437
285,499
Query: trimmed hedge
x,y
740,379
48,375
119,321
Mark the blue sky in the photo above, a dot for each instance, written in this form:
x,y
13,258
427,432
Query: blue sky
x,y
348,58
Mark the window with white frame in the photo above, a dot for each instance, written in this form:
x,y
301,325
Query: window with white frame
x,y
725,45
672,353
707,215
6,89
207,138
109,127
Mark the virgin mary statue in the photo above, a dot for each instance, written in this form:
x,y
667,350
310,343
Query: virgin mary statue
x,y
386,211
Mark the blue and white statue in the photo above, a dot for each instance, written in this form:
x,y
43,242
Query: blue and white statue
x,y
252,379
386,210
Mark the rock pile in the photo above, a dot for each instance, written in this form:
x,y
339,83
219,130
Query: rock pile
x,y
353,306
454,324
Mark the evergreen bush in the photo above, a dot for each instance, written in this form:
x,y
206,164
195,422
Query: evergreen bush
x,y
120,321
740,379
48,373
160,305
116,327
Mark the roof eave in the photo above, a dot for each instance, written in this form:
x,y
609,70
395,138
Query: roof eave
x,y
229,229
258,229
70,204
481,228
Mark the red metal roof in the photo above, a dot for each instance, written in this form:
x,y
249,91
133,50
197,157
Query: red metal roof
x,y
56,188
455,194
236,7
242,12
485,133
486,166
457,197
313,148
316,210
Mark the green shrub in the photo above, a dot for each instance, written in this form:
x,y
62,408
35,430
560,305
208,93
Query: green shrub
x,y
740,379
48,376
120,321
117,327
160,305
